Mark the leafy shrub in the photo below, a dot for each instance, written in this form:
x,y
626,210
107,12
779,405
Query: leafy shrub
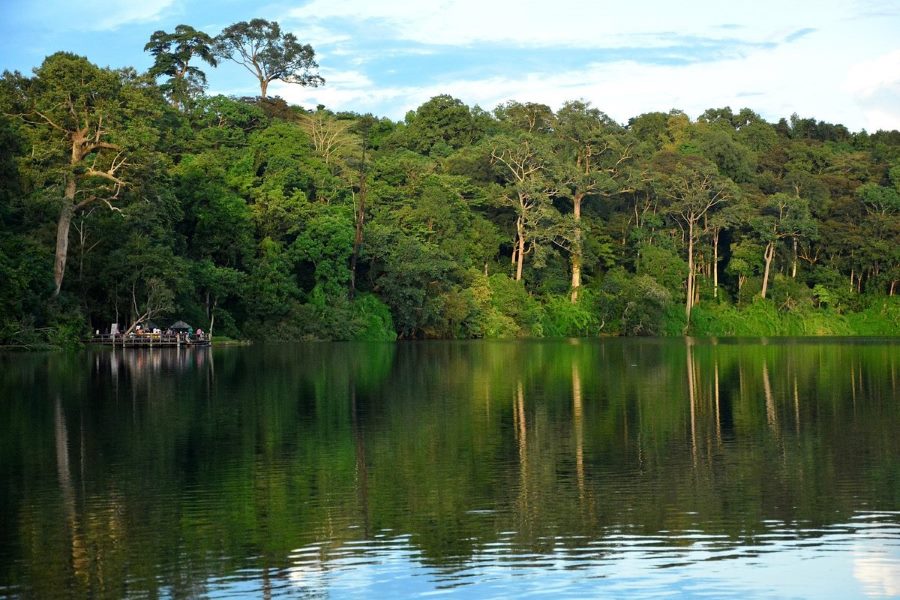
x,y
882,317
372,320
564,319
633,305
763,318
665,266
504,308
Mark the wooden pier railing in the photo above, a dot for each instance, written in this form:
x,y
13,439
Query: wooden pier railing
x,y
151,340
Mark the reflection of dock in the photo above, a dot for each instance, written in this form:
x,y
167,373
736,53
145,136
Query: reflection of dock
x,y
151,340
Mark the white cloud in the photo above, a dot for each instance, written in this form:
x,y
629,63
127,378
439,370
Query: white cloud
x,y
118,13
870,76
96,15
581,23
317,36
776,82
831,42
874,85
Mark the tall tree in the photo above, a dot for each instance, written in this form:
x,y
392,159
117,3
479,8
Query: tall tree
x,y
173,53
260,47
524,163
596,155
360,195
694,187
331,138
441,125
784,216
86,125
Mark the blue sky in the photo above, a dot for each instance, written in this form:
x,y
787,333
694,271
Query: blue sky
x,y
835,60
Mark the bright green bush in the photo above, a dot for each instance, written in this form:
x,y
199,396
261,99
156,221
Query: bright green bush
x,y
504,309
564,319
882,317
633,305
372,320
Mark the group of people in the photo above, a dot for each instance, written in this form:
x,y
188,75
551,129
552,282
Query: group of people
x,y
189,334
139,331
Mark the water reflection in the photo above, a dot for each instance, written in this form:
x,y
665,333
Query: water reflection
x,y
617,466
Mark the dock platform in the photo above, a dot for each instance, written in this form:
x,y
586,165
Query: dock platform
x,y
151,340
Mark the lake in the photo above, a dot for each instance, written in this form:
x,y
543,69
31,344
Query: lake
x,y
556,468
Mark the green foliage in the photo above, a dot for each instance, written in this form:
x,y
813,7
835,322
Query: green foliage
x,y
665,266
173,53
633,305
271,291
881,318
763,318
440,126
262,48
326,242
372,318
562,318
265,219
504,309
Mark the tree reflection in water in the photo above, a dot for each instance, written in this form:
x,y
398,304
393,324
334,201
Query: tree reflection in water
x,y
282,464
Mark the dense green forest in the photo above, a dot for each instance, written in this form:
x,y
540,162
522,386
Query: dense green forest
x,y
127,197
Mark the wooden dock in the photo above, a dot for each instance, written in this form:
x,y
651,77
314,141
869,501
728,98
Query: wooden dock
x,y
151,340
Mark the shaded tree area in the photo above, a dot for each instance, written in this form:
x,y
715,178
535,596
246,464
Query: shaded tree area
x,y
123,197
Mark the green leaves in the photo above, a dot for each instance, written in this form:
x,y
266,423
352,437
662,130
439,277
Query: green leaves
x,y
440,126
457,222
173,54
261,48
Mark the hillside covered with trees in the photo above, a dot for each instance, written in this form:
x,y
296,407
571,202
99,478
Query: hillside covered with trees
x,y
127,197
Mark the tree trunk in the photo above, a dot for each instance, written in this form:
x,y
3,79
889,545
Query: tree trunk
x,y
769,255
576,248
576,276
212,317
689,301
360,221
520,258
794,265
715,265
62,234
263,86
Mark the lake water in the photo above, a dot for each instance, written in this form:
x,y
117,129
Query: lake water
x,y
568,468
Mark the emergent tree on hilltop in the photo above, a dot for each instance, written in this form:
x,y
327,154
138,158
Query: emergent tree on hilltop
x,y
173,53
261,48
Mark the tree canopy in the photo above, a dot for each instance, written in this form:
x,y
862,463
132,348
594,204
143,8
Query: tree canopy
x,y
268,53
121,197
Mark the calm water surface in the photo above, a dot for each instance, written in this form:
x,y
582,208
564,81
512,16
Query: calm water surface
x,y
613,468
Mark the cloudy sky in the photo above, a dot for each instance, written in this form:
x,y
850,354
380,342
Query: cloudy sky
x,y
834,60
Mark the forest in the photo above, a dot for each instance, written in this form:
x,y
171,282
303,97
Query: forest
x,y
128,197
